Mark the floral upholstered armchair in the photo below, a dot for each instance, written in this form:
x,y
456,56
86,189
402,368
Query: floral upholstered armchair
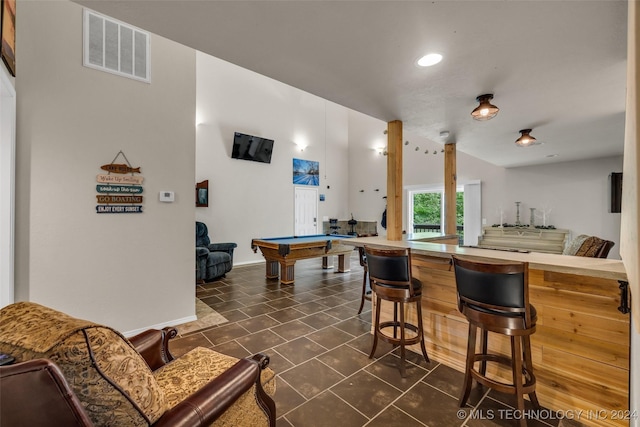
x,y
73,372
213,260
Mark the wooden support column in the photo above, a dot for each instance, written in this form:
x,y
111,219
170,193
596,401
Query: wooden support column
x,y
394,180
450,184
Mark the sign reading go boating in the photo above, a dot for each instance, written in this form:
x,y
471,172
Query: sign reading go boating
x,y
119,188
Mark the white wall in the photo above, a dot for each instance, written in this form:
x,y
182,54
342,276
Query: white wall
x,y
576,192
367,168
248,199
129,271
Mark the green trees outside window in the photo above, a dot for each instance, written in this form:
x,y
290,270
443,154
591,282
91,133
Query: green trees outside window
x,y
427,208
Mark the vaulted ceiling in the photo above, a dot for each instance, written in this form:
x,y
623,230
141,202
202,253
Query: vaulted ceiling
x,y
557,67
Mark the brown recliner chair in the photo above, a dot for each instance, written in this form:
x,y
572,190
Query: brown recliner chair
x,y
76,373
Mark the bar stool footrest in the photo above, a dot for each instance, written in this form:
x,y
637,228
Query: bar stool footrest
x,y
528,387
398,341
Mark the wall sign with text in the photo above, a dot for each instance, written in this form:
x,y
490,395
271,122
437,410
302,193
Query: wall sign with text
x,y
119,188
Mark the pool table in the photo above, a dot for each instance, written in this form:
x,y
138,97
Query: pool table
x,y
285,251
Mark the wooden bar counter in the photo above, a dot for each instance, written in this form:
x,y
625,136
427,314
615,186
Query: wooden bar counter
x,y
581,345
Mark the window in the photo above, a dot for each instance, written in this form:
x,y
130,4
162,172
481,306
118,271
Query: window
x,y
428,210
425,210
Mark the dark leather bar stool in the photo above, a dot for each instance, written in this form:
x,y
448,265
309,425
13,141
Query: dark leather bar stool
x,y
390,278
363,263
494,297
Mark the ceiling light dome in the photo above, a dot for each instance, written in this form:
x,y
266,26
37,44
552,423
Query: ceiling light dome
x,y
485,110
525,139
429,60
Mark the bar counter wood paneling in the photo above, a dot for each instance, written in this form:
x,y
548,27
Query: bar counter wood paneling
x,y
581,345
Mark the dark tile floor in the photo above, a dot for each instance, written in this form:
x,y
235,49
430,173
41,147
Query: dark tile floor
x,y
319,349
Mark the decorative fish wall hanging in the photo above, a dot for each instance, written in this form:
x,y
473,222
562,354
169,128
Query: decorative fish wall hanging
x,y
119,168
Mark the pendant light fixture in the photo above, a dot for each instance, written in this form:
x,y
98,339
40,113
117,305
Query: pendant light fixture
x,y
525,139
485,110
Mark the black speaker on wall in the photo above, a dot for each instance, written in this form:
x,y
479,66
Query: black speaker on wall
x,y
616,192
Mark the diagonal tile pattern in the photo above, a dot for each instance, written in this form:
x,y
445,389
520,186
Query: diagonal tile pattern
x,y
319,350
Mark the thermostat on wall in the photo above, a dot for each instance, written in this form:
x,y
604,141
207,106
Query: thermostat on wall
x,y
167,196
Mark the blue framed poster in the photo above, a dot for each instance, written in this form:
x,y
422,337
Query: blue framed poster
x,y
306,172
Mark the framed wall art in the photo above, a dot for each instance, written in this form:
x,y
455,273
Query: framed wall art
x,y
8,48
202,194
306,172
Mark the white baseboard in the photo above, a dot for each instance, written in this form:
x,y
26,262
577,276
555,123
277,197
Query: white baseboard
x,y
161,325
238,264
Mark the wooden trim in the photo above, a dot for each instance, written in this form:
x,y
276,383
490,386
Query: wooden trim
x,y
450,184
394,180
630,221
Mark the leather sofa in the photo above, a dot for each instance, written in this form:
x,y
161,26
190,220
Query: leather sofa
x,y
73,372
213,260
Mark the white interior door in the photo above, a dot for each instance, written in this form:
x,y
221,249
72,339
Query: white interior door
x,y
306,211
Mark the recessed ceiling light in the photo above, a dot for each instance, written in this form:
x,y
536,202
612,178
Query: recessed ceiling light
x,y
429,60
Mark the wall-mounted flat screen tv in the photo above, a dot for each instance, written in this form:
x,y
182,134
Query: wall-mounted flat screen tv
x,y
249,147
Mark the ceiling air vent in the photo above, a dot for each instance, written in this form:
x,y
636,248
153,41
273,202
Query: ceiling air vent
x,y
115,47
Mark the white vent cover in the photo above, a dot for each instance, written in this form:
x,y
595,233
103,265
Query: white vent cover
x,y
115,47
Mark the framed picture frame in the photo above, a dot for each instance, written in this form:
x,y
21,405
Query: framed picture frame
x,y
306,172
8,46
202,194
